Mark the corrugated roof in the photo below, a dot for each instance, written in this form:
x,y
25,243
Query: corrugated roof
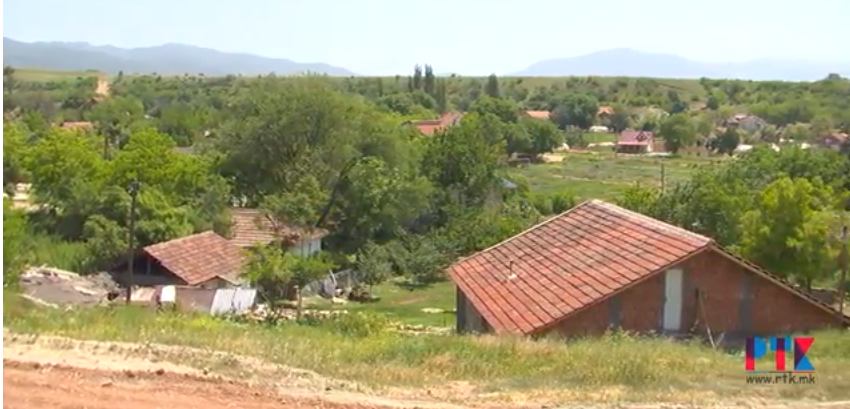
x,y
567,263
251,227
199,257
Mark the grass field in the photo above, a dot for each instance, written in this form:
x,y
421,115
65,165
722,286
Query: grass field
x,y
33,75
614,368
604,175
404,303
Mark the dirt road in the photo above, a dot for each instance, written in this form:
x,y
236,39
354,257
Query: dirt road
x,y
50,372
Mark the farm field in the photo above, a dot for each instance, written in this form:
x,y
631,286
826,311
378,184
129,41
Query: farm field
x,y
34,75
605,175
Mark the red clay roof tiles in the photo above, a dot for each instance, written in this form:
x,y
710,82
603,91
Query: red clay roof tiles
x,y
567,263
251,227
199,257
630,137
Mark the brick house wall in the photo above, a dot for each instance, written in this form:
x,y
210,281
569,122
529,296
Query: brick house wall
x,y
737,302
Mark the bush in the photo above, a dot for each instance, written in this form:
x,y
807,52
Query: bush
x,y
55,252
359,324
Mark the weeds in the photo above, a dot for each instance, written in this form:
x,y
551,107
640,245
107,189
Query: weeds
x,y
358,347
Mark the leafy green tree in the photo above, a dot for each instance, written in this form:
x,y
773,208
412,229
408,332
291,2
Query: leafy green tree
x,y
678,131
542,135
14,155
577,110
270,270
728,141
15,243
374,265
789,230
464,160
492,87
619,120
505,109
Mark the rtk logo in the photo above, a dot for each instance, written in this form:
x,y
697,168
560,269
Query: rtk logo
x,y
757,348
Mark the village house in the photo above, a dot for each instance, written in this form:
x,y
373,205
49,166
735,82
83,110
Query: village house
x,y
604,111
430,127
81,126
203,260
544,115
597,267
635,142
746,122
252,227
833,141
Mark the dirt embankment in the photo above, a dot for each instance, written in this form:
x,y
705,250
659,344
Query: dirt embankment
x,y
102,88
52,372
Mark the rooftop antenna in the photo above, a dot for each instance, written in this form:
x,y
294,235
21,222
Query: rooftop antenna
x,y
511,274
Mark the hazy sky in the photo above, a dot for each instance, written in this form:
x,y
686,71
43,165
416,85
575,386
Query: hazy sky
x,y
465,36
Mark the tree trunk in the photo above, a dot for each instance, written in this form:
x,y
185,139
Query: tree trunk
x,y
299,304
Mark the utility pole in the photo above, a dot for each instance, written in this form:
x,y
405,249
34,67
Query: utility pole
x,y
133,189
663,177
842,281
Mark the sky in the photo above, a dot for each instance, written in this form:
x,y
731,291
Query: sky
x,y
471,37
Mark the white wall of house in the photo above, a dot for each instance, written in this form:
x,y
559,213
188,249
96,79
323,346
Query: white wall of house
x,y
215,283
307,248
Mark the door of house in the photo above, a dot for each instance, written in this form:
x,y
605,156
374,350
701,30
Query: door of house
x,y
673,300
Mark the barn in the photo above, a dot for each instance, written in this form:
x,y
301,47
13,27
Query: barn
x,y
598,266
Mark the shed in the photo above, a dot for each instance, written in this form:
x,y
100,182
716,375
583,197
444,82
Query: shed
x,y
598,266
631,141
205,260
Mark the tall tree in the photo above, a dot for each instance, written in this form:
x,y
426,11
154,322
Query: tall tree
x,y
789,230
429,83
678,131
491,88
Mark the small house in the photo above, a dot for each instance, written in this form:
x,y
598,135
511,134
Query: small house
x,y
598,266
252,227
204,260
746,122
77,126
542,115
430,127
833,141
635,142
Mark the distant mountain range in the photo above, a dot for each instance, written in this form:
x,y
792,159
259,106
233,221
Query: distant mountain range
x,y
167,59
178,59
624,62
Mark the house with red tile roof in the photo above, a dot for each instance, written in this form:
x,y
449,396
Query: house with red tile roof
x,y
833,141
604,111
252,227
430,127
598,266
83,126
636,142
204,260
545,115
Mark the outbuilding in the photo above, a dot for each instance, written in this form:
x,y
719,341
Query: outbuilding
x,y
598,266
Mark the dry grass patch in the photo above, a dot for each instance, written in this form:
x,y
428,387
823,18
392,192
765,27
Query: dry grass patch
x,y
455,368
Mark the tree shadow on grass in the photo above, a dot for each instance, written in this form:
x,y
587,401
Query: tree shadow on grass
x,y
412,285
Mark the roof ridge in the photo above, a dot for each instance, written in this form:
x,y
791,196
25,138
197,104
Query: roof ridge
x,y
644,220
182,239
